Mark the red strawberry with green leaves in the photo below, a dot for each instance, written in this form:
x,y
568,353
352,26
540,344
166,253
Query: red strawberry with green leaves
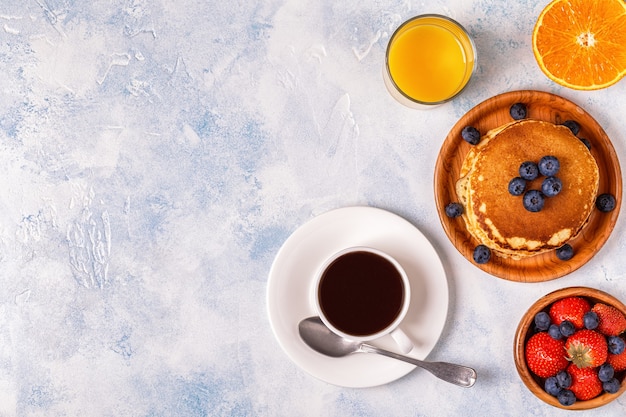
x,y
545,356
585,382
570,308
587,348
612,321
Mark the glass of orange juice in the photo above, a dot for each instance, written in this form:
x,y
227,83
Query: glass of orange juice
x,y
430,59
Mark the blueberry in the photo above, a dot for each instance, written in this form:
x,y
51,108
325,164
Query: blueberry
x,y
549,165
591,320
470,135
518,111
551,186
542,321
454,210
611,386
533,201
565,252
552,386
566,397
616,345
555,332
606,372
517,186
482,254
586,143
567,328
605,202
564,379
572,125
528,170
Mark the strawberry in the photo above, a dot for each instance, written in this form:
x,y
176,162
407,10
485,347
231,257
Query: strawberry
x,y
585,382
612,321
572,309
587,348
545,356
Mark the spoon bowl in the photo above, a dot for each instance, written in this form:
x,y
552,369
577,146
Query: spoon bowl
x,y
321,339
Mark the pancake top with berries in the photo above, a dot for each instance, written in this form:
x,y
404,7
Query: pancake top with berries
x,y
498,219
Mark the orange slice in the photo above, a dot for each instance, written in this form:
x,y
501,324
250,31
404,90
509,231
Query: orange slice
x,y
581,44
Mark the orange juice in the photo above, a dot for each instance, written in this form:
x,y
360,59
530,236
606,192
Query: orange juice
x,y
430,59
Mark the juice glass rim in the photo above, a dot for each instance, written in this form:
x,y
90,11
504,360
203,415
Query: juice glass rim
x,y
424,16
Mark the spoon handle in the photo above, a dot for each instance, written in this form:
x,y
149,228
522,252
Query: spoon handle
x,y
456,374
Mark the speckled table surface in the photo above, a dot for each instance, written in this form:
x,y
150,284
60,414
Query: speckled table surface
x,y
155,157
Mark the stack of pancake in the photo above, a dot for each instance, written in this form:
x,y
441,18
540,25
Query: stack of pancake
x,y
496,218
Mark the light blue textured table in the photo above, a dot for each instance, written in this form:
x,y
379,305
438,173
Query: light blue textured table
x,y
155,155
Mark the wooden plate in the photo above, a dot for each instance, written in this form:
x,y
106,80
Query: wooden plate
x,y
494,112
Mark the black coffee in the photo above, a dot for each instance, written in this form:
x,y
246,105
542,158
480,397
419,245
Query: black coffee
x,y
361,293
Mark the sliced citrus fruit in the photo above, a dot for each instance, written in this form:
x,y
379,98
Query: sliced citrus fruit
x,y
581,44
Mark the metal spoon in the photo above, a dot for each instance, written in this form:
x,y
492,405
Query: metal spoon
x,y
319,337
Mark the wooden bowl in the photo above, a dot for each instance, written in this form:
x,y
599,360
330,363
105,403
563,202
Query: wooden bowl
x,y
525,331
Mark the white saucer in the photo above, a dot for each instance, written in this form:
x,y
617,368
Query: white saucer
x,y
291,280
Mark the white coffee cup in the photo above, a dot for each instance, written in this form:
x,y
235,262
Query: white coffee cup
x,y
363,294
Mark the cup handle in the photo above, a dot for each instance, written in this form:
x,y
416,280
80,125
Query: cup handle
x,y
403,341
